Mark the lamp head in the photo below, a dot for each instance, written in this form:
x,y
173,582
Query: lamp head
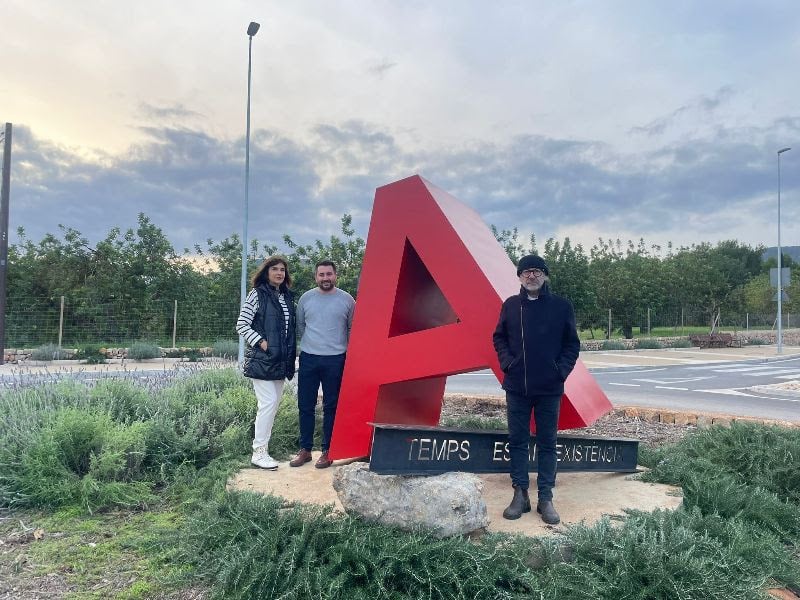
x,y
782,150
252,29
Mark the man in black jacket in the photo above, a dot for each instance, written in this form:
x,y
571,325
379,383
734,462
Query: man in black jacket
x,y
537,345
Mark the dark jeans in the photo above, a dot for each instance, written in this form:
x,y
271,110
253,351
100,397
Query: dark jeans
x,y
316,370
545,413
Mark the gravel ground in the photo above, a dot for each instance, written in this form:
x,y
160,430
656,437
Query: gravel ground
x,y
614,424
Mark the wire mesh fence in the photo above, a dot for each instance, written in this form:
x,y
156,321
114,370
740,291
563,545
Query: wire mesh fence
x,y
34,322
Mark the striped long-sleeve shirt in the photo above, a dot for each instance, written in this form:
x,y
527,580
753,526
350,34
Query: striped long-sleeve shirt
x,y
249,309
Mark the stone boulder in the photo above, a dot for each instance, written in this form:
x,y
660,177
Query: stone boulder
x,y
448,504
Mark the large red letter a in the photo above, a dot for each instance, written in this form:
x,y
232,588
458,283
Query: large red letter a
x,y
431,287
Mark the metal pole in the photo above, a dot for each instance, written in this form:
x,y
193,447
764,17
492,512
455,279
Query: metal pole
x,y
747,321
4,199
174,323
780,279
252,29
609,325
60,326
649,330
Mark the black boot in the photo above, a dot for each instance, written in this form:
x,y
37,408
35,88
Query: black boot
x,y
548,512
519,504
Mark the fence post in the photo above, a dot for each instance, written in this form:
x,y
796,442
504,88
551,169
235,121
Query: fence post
x,y
649,330
682,327
174,323
747,321
608,335
60,326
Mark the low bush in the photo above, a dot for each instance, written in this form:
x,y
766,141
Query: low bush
x,y
143,351
83,458
254,546
681,343
754,468
91,354
757,342
648,344
225,349
614,345
112,443
50,352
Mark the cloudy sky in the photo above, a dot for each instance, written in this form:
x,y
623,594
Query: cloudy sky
x,y
647,119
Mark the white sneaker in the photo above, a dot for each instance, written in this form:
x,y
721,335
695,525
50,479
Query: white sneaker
x,y
261,458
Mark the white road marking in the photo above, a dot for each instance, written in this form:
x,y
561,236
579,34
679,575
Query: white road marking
x,y
732,392
675,379
628,372
625,384
665,387
744,369
776,372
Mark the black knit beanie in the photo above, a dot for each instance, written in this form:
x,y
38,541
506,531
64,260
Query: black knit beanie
x,y
531,261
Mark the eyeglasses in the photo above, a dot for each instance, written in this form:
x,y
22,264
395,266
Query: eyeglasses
x,y
528,273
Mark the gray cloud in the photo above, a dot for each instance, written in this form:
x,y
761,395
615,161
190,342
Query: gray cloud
x,y
700,108
192,184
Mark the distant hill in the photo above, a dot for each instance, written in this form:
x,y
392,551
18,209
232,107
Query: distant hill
x,y
793,251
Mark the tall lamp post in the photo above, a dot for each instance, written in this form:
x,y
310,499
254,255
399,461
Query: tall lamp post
x,y
252,29
780,274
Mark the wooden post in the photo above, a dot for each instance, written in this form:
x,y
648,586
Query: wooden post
x,y
60,326
174,323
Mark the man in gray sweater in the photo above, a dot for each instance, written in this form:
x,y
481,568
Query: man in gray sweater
x,y
324,318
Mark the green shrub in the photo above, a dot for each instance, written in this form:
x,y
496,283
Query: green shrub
x,y
681,343
757,342
125,400
753,467
614,345
49,352
83,458
648,344
652,555
254,546
225,349
91,354
143,351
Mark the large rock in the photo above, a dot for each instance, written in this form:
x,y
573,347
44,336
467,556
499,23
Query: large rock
x,y
449,504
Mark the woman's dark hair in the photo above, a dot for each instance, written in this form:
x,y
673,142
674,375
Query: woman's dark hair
x,y
261,275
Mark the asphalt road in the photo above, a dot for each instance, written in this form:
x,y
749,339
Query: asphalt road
x,y
725,387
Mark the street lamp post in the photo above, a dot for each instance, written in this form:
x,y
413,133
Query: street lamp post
x,y
780,277
252,29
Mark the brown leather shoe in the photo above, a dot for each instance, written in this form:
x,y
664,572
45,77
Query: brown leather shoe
x,y
323,462
302,458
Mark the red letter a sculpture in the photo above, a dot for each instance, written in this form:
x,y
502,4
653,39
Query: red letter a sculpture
x,y
429,296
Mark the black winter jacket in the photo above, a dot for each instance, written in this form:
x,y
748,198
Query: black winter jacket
x,y
278,361
536,343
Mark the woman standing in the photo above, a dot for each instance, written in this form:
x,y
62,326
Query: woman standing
x,y
267,323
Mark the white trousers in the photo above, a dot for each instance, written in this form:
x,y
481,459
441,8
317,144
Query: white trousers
x,y
268,394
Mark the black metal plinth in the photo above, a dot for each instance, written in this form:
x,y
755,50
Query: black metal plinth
x,y
418,450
